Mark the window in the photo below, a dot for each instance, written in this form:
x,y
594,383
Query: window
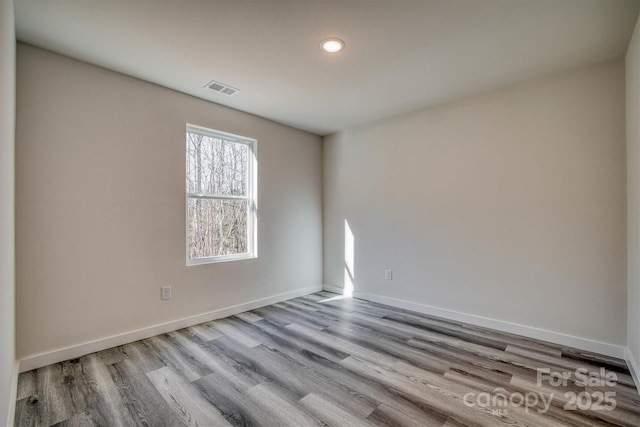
x,y
221,196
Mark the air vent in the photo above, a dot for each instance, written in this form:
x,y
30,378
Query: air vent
x,y
221,87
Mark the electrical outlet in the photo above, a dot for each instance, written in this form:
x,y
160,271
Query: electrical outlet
x,y
388,274
165,292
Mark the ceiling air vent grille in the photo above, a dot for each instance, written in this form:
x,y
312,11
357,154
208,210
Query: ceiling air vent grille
x,y
221,87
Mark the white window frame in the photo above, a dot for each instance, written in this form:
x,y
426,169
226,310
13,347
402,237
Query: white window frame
x,y
251,197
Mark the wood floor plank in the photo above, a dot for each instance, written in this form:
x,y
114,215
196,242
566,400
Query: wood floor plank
x,y
232,364
268,365
319,316
571,364
530,352
344,345
113,355
249,317
279,336
389,345
83,419
285,316
437,401
356,384
283,411
323,359
458,390
103,403
470,361
53,382
489,353
332,414
233,402
190,407
229,330
27,412
610,363
143,401
301,305
388,415
302,380
143,355
173,355
198,352
471,332
27,385
204,332
270,316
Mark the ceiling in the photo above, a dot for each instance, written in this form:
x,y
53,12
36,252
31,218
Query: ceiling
x,y
400,55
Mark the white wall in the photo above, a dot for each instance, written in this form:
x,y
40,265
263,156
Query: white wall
x,y
7,252
508,205
101,212
633,198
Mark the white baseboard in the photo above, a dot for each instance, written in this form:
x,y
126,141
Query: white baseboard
x,y
13,394
43,359
500,325
334,289
633,367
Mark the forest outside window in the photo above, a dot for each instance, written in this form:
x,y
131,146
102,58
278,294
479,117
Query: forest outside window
x,y
221,196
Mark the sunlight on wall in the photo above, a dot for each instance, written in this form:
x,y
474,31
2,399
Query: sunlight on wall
x,y
349,260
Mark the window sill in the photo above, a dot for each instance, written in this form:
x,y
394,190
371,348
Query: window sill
x,y
222,258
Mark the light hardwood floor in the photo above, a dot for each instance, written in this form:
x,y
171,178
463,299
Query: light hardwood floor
x,y
322,360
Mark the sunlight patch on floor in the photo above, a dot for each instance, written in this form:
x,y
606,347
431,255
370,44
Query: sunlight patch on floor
x,y
336,298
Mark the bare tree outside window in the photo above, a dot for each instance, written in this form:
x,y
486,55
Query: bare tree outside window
x,y
220,195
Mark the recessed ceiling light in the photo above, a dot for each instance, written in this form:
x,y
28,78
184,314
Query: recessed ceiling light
x,y
332,45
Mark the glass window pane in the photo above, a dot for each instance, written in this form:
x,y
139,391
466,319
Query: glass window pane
x,y
216,166
217,227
